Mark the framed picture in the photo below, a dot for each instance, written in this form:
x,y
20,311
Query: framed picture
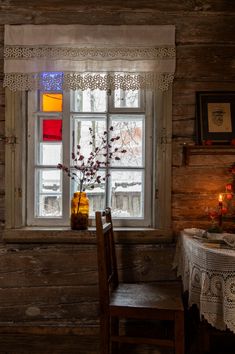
x,y
215,117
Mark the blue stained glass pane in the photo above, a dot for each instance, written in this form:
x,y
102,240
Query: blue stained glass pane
x,y
51,81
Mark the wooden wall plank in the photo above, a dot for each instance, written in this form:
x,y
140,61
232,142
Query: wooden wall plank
x,y
200,180
82,6
76,265
48,344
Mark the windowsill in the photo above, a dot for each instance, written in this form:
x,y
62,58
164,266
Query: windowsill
x,y
66,235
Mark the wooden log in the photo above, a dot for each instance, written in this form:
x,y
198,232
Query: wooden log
x,y
47,266
195,62
192,205
76,266
206,180
161,6
184,91
183,128
183,110
211,160
48,344
193,24
47,296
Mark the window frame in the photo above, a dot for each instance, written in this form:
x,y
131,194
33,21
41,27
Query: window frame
x,y
34,110
16,158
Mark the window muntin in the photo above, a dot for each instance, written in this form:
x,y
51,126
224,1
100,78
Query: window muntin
x,y
126,191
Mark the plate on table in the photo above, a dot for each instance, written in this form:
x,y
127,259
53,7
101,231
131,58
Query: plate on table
x,y
196,233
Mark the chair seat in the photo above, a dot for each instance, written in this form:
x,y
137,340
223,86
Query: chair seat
x,y
137,297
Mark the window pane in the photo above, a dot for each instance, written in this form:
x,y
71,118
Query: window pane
x,y
127,193
50,154
48,196
52,130
52,102
96,199
89,101
50,206
49,181
131,132
126,99
52,81
82,134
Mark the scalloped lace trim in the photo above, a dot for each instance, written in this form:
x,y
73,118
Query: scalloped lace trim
x,y
77,81
219,323
19,52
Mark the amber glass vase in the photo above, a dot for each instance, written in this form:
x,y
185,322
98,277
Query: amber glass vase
x,y
79,211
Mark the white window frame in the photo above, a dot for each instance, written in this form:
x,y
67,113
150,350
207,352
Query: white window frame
x,y
35,112
16,158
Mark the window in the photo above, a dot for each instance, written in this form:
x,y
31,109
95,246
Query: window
x,y
59,121
79,76
43,134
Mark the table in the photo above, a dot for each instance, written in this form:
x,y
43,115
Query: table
x,y
208,274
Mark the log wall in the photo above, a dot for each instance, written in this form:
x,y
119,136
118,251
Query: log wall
x,y
48,292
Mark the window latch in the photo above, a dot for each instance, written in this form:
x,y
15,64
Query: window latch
x,y
11,140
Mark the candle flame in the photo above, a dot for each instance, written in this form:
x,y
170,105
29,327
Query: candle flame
x,y
220,198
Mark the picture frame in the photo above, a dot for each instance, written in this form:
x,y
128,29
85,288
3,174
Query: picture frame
x,y
215,117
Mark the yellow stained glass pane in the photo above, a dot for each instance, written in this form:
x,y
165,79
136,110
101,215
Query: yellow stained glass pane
x,y
52,102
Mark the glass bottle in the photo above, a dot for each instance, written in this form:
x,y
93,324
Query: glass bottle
x,y
79,211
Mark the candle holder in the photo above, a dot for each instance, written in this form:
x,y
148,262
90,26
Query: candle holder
x,y
215,215
220,210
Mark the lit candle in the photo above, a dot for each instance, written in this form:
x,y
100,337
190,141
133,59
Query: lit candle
x,y
220,200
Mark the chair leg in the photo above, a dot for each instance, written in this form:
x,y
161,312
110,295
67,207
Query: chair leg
x,y
179,332
114,331
104,335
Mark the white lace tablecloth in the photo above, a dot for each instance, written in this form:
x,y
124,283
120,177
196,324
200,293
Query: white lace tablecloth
x,y
208,274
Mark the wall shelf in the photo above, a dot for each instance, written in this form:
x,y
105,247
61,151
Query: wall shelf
x,y
190,150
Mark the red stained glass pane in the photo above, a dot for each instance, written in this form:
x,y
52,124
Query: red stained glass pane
x,y
52,130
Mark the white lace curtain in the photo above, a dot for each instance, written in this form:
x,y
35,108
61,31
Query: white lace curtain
x,y
89,57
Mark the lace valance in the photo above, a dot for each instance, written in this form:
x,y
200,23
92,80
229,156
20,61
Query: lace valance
x,y
104,57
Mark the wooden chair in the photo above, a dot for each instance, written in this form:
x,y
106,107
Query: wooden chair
x,y
132,301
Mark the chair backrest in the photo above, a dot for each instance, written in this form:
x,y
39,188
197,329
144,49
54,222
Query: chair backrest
x,y
106,256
